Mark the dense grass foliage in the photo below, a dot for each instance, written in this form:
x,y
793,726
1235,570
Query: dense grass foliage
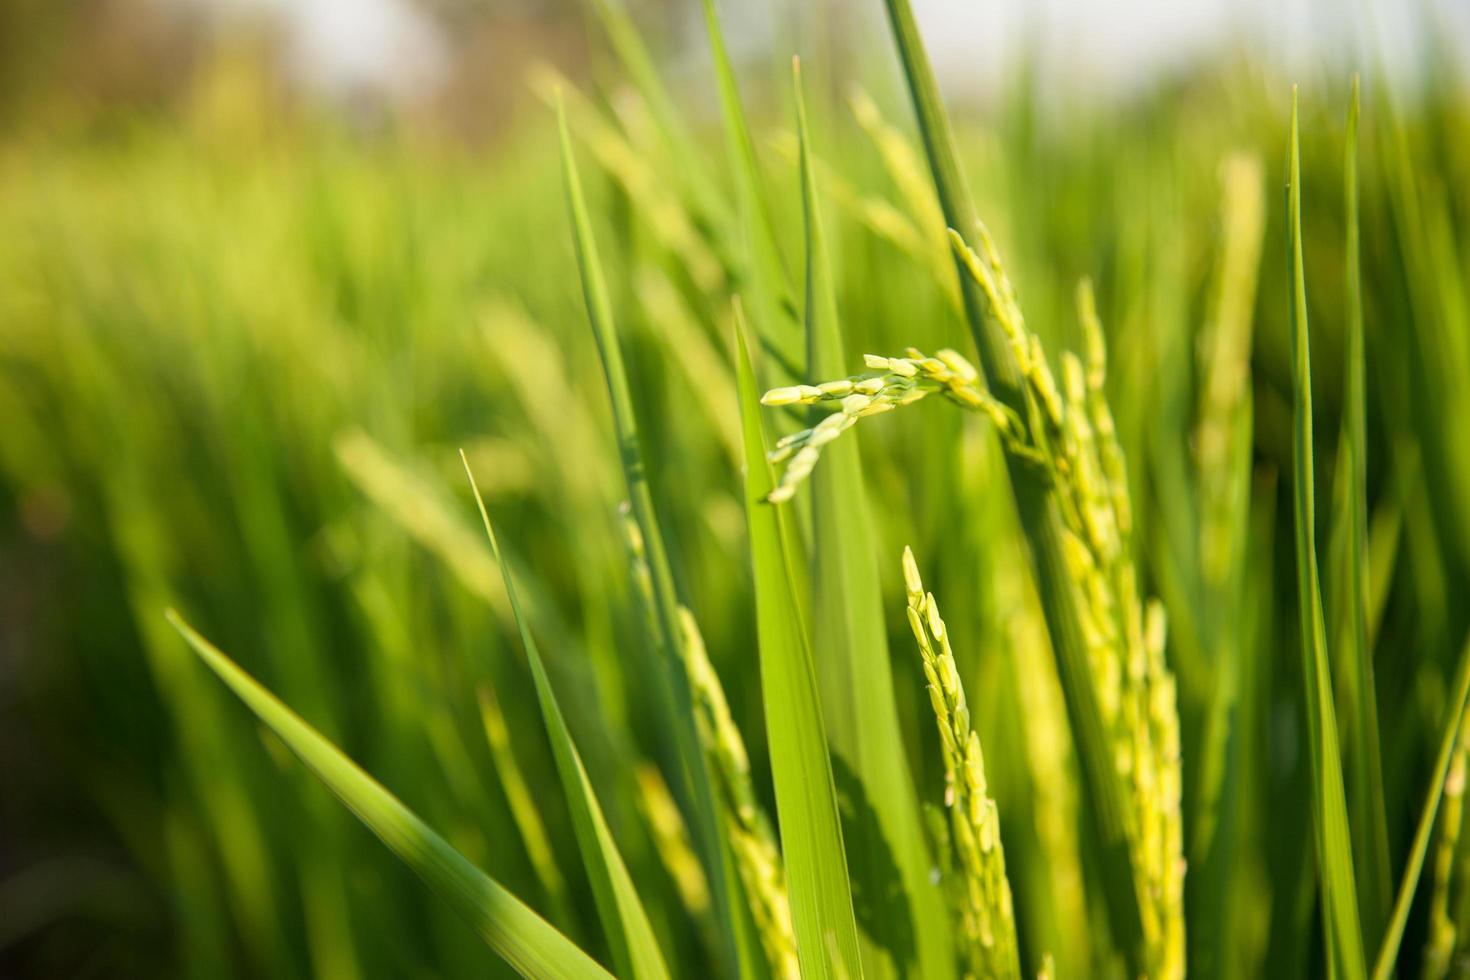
x,y
1195,698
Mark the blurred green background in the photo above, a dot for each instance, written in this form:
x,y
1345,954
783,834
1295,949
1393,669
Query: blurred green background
x,y
257,288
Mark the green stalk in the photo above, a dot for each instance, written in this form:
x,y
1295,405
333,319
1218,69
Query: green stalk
x,y
1036,505
692,777
1394,935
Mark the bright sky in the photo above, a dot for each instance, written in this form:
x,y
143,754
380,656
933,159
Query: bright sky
x,y
1124,42
384,44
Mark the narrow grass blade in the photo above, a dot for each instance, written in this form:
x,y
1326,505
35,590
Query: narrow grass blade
x,y
674,699
635,950
1334,847
875,212
806,799
1036,505
527,942
949,181
673,223
425,514
1350,526
770,283
908,932
523,809
1394,935
628,44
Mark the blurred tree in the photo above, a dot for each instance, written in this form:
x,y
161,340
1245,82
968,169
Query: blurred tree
x,y
99,53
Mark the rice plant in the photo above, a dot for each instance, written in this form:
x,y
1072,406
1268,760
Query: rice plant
x,y
573,539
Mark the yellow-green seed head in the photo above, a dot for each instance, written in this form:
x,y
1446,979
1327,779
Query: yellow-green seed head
x,y
911,580
902,368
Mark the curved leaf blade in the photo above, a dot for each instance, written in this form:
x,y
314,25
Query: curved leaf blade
x,y
526,941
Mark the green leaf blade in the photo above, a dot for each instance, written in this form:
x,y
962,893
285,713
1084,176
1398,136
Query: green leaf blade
x,y
629,933
526,941
882,826
1340,918
806,799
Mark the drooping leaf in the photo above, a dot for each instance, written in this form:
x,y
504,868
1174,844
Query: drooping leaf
x,y
527,942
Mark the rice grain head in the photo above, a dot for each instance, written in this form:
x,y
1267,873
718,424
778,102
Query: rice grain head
x,y
987,926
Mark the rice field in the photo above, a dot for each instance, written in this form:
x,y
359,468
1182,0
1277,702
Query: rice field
x,y
419,560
